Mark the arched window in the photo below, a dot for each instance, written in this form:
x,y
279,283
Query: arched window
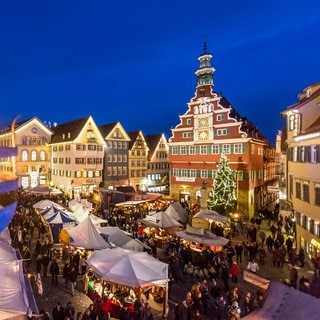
x,y
24,155
33,155
42,156
24,140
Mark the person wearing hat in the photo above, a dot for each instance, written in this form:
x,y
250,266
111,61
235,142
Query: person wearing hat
x,y
234,310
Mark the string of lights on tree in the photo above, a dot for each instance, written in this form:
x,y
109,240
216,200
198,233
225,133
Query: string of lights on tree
x,y
223,194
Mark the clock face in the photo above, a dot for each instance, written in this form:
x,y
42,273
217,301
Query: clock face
x,y
34,130
203,135
203,122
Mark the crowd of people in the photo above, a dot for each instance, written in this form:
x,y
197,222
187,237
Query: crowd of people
x,y
32,237
216,275
215,293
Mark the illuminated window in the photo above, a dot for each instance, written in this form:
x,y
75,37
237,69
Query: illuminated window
x,y
24,155
215,149
183,150
226,148
33,155
42,156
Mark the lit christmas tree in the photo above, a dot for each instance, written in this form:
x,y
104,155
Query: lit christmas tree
x,y
223,197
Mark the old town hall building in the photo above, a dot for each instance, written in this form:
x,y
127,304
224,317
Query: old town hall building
x,y
211,127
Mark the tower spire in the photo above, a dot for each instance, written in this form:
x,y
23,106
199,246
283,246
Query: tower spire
x,y
205,47
205,71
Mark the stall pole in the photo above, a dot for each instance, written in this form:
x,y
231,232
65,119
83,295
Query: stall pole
x,y
165,310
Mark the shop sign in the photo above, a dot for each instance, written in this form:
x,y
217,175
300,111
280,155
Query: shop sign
x,y
186,179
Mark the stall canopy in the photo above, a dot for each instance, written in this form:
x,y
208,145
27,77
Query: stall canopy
x,y
283,302
119,238
14,301
130,203
74,205
80,213
86,236
211,215
57,219
162,219
177,212
6,214
200,236
5,236
52,210
129,268
43,189
46,203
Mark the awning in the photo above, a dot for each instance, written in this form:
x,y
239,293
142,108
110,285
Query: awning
x,y
130,203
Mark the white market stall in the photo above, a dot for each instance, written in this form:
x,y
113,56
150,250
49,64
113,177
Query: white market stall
x,y
119,238
177,212
14,299
84,235
131,269
57,220
46,203
284,302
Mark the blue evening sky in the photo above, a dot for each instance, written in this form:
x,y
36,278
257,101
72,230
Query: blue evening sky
x,y
134,61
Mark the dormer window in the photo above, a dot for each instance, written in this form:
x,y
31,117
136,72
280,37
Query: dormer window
x,y
90,135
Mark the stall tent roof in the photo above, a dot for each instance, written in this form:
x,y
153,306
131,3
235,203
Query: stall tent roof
x,y
284,302
86,236
119,238
57,216
176,211
129,268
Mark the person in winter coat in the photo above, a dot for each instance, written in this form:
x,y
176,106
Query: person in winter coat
x,y
253,266
124,313
235,310
301,257
70,310
262,254
73,279
45,263
148,312
225,275
239,250
293,277
234,271
65,273
39,263
220,307
58,312
54,271
269,243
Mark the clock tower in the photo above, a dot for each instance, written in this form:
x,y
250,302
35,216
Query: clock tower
x,y
210,127
205,73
